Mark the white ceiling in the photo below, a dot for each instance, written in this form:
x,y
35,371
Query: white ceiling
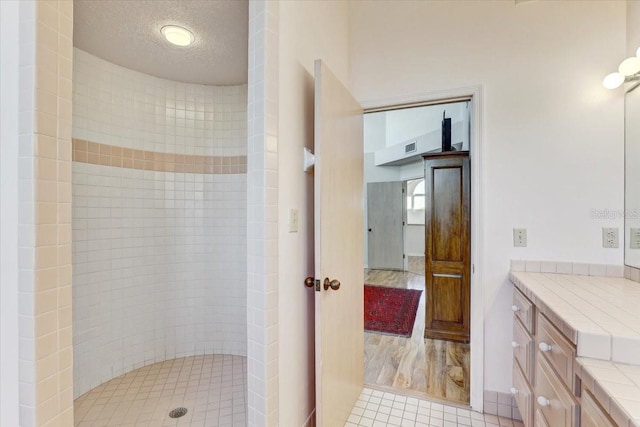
x,y
127,33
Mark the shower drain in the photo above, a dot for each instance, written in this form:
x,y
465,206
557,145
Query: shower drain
x,y
177,412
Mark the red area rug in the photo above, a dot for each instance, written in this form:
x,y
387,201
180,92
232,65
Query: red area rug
x,y
390,310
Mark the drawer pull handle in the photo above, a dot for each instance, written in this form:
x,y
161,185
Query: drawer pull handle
x,y
514,344
514,391
543,401
515,308
544,347
450,276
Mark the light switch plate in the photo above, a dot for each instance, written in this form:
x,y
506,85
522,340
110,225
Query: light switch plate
x,y
520,237
610,238
293,220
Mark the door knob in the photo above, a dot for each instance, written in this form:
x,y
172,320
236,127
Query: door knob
x,y
309,282
333,284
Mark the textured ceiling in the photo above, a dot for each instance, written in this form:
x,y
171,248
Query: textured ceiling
x,y
127,33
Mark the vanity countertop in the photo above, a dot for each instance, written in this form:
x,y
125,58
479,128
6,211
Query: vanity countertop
x,y
600,315
616,386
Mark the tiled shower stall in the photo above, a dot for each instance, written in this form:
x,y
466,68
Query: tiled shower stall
x,y
159,220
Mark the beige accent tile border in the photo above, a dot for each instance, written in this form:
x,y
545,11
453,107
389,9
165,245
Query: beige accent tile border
x,y
109,155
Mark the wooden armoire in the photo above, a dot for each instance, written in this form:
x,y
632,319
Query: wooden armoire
x,y
448,245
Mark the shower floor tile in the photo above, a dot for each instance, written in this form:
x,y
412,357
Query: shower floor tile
x,y
213,388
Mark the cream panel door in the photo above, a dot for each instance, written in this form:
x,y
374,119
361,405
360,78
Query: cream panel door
x,y
338,223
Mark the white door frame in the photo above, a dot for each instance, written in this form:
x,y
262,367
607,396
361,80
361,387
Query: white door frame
x,y
476,148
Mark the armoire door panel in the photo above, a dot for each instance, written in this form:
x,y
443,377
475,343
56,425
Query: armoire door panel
x,y
447,213
448,307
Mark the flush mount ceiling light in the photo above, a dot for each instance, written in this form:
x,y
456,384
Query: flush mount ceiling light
x,y
178,36
628,71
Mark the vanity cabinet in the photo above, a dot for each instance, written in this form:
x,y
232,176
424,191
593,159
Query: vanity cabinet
x,y
543,377
591,414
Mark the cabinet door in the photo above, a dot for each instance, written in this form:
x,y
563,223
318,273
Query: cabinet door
x,y
540,420
591,415
523,395
552,398
448,246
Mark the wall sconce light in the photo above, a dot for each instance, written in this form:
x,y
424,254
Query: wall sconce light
x,y
628,71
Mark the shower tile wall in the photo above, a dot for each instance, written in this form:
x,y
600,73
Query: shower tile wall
x,y
44,212
159,257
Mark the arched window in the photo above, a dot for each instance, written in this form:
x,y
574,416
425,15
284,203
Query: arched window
x,y
415,201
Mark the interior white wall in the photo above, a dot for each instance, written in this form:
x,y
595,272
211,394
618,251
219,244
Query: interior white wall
x,y
9,337
159,257
414,240
633,27
307,31
553,136
409,123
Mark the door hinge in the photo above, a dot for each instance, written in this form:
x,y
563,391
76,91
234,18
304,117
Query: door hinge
x,y
473,268
403,256
403,224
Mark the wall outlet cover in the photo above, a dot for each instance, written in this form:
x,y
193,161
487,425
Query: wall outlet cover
x,y
610,237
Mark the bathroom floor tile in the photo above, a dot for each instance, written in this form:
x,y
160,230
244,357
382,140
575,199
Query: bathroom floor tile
x,y
417,412
212,388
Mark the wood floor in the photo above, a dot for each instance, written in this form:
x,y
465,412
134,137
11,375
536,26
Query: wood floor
x,y
436,368
416,265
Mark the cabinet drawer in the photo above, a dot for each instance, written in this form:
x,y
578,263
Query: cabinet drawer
x,y
523,310
558,350
591,414
552,399
523,395
540,421
523,349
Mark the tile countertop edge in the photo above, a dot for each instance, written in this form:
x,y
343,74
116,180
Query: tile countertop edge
x,y
625,413
592,339
557,320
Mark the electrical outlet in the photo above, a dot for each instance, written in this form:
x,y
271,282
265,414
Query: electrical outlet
x,y
610,238
634,238
520,237
293,220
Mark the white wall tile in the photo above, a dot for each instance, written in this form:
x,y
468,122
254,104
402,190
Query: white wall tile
x,y
159,257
